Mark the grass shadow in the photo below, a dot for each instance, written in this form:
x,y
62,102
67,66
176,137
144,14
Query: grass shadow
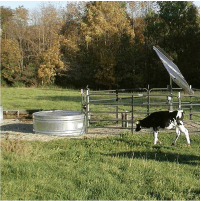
x,y
18,127
159,156
60,98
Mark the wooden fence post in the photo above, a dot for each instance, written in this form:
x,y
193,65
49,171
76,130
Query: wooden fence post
x,y
124,119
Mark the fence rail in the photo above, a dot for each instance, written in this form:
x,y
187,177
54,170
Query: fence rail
x,y
111,107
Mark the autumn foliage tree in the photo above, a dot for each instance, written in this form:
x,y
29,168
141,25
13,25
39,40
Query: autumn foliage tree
x,y
10,60
107,33
51,63
105,44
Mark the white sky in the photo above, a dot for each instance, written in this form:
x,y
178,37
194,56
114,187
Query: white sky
x,y
34,4
28,4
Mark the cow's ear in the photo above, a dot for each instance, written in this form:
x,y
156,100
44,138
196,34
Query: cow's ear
x,y
137,122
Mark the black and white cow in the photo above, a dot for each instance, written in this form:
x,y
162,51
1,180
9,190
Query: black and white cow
x,y
164,119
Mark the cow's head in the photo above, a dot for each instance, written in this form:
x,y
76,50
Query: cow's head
x,y
138,126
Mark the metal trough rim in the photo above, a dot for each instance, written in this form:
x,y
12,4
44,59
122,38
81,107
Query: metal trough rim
x,y
58,114
60,133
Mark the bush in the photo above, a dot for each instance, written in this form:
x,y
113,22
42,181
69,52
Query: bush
x,y
18,84
3,83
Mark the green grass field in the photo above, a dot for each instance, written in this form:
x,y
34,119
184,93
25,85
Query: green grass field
x,y
114,168
37,98
126,167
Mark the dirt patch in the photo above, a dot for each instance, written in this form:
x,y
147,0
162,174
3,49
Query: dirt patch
x,y
23,130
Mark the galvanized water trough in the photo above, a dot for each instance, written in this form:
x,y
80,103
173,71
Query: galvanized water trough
x,y
58,122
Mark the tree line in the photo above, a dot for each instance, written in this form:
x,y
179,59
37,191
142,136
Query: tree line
x,y
101,44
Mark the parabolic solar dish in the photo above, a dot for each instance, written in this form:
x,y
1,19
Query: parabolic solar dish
x,y
173,70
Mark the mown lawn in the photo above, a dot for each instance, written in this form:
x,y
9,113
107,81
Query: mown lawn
x,y
127,167
38,98
68,99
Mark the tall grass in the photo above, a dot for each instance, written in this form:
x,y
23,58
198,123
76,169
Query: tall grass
x,y
125,167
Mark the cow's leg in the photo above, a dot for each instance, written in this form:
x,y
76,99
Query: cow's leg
x,y
177,135
185,131
156,137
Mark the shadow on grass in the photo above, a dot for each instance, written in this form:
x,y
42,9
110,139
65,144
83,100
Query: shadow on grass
x,y
159,156
60,98
18,127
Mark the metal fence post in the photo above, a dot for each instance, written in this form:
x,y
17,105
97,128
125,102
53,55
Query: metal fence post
x,y
87,110
82,101
117,108
126,119
132,115
191,107
148,100
122,119
179,100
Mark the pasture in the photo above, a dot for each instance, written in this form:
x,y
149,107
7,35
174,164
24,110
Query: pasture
x,y
38,98
124,167
114,168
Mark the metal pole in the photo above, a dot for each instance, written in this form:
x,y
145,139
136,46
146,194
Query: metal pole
x,y
191,107
179,100
117,109
148,100
170,85
132,117
87,110
82,92
126,119
122,119
171,99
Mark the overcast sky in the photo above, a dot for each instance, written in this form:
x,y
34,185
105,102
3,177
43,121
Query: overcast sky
x,y
34,4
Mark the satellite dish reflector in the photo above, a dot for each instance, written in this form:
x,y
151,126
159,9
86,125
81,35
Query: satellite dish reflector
x,y
173,70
